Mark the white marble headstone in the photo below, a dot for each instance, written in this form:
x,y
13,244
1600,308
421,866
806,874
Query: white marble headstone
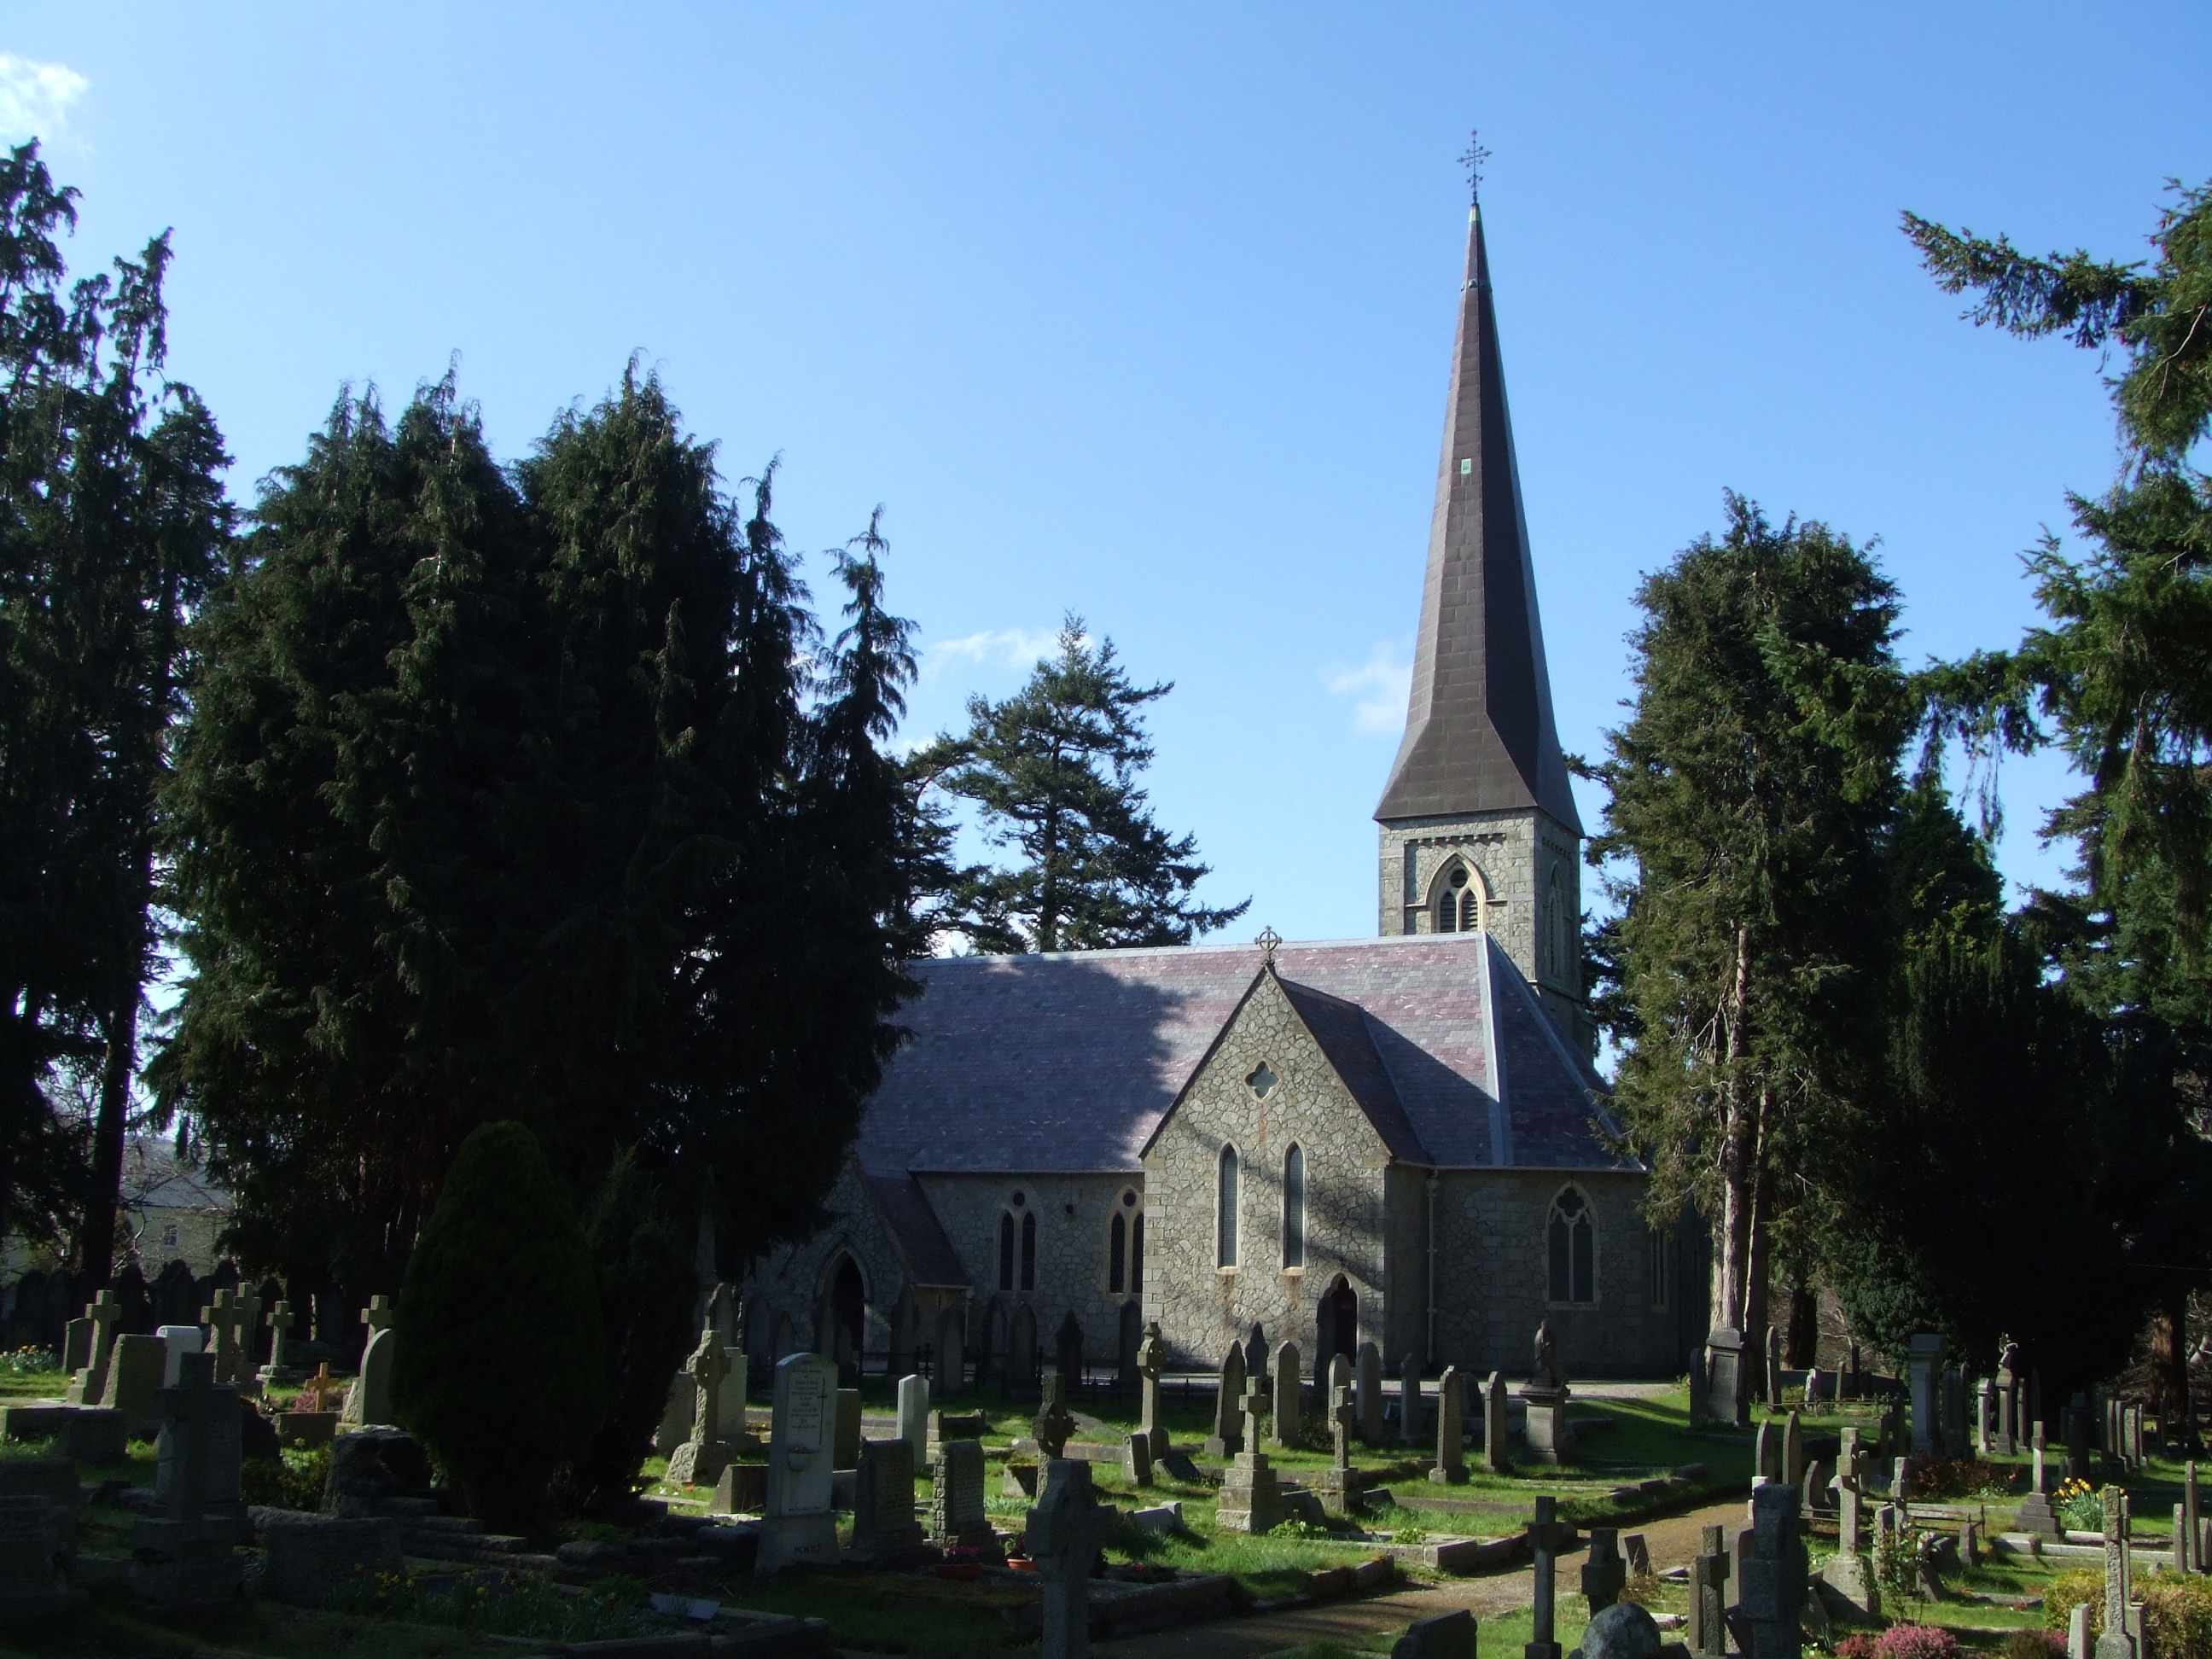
x,y
181,1340
798,1524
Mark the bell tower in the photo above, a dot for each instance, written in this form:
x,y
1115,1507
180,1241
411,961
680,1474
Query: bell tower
x,y
1478,824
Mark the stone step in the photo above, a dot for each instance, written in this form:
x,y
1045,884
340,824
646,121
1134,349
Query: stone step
x,y
460,1523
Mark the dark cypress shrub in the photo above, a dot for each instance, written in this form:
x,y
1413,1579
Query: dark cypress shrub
x,y
502,1370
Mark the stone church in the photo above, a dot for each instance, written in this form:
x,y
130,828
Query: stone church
x,y
1393,1141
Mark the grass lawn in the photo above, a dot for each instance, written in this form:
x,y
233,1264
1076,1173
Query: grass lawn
x,y
33,1385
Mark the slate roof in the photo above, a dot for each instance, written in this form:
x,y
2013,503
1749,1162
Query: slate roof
x,y
931,1260
1480,735
1067,1062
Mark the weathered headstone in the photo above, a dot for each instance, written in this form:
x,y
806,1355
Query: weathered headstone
x,y
135,1376
1289,1431
1923,1366
845,1442
76,1345
699,1462
1451,1452
1793,1453
1256,1357
883,1500
1137,1460
1708,1589
1623,1630
1849,1572
1547,1534
1816,1389
90,1382
1544,1427
913,1415
1773,1369
2114,1642
1338,1493
1447,1635
1367,1383
369,1400
742,1489
1227,1437
2036,1513
957,1514
1251,1497
1970,1546
2080,1645
1637,1552
1900,1481
280,1372
1409,1402
1054,1422
1766,1452
2010,1428
176,1340
799,1525
1062,1535
1151,1360
184,1555
1772,1582
1497,1445
1604,1571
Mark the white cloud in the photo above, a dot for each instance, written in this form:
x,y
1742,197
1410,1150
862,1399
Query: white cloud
x,y
35,98
1009,648
1378,688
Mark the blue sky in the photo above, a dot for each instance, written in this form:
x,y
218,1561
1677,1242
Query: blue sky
x,y
1144,312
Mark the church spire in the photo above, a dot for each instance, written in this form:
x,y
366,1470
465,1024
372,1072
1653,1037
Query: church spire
x,y
1480,736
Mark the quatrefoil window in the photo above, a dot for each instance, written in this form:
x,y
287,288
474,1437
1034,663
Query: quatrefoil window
x,y
1261,1080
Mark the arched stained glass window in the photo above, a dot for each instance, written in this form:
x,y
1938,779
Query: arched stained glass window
x,y
1294,1207
1029,1250
1572,1248
1117,1246
1137,1255
1225,1209
1006,1250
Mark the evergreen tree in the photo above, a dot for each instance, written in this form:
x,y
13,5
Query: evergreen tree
x,y
1054,771
112,523
2120,678
1750,795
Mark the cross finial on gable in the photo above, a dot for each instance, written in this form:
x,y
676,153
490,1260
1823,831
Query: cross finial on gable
x,y
1472,158
1267,942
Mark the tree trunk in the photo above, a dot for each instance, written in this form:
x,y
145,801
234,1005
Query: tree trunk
x,y
2169,1354
96,1247
1733,1237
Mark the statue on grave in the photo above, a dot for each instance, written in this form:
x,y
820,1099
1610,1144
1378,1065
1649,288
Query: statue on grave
x,y
1547,1374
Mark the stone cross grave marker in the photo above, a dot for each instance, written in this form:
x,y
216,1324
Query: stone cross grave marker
x,y
280,1319
1339,1376
1062,1535
956,1498
1228,1436
1497,1449
1054,1422
193,1414
1151,1360
103,1311
183,1554
1548,1535
913,1415
1709,1577
1289,1432
1409,1402
883,1500
1343,1419
699,1462
221,1317
1849,1572
1451,1468
798,1524
1604,1571
2116,1641
1251,1496
2036,1513
1772,1586
379,1315
249,1329
1368,1381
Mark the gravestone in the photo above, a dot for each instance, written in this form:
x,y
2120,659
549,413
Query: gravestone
x,y
674,1416
1986,1417
280,1372
1770,1581
1849,1572
913,1415
1547,1534
222,1317
2011,1427
1447,1635
1289,1431
1604,1571
1623,1630
1251,1498
1062,1535
90,1382
1409,1402
957,1514
34,1560
845,1441
176,1340
135,1376
1054,1422
76,1345
379,1315
1367,1385
1068,1350
1151,1360
1727,1379
1339,1495
1708,1589
1228,1436
1545,1428
315,1560
883,1501
1816,1389
2079,1643
2193,1520
2115,1641
2036,1513
1766,1452
184,1555
1496,1446
798,1524
699,1461
742,1490
1924,1367
1638,1553
734,1382
1451,1452
1255,1356
1793,1453
1900,1481
1773,1369
1137,1460
369,1400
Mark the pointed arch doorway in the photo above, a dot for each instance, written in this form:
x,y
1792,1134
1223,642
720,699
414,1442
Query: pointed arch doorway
x,y
1337,1322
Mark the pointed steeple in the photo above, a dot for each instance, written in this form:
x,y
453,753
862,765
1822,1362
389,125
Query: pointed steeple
x,y
1480,736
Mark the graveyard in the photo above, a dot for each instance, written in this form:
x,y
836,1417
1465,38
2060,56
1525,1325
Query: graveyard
x,y
171,1489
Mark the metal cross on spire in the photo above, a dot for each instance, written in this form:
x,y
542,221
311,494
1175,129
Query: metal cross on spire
x,y
1472,158
1267,941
